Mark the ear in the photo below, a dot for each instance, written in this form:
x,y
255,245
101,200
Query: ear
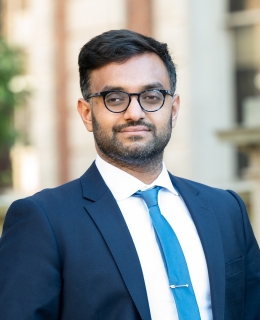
x,y
175,109
84,109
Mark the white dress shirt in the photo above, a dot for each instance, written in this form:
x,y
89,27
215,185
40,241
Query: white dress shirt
x,y
136,215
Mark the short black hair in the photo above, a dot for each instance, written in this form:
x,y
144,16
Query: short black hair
x,y
119,46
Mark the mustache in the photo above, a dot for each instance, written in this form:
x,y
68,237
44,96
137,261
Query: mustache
x,y
119,127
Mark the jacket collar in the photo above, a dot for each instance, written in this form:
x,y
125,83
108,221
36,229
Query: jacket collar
x,y
204,217
93,185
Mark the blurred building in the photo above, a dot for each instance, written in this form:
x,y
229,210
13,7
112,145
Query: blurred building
x,y
216,46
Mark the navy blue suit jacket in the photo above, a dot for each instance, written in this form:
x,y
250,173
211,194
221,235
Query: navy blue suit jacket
x,y
66,253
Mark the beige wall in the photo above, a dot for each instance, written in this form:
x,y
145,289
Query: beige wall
x,y
33,28
171,26
86,19
201,45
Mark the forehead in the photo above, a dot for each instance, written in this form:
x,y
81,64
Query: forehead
x,y
131,75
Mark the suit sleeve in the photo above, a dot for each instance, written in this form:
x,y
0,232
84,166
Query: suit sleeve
x,y
252,265
30,280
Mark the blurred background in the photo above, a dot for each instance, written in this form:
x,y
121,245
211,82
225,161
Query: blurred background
x,y
216,46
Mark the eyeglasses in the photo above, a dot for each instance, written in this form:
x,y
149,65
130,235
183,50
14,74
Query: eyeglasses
x,y
118,101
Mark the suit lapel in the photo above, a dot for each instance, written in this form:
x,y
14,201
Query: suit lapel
x,y
104,211
207,226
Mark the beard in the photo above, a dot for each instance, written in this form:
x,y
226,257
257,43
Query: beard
x,y
137,154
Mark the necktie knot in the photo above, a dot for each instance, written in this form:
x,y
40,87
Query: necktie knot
x,y
150,196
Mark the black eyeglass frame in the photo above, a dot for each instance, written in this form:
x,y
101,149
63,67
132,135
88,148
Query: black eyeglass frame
x,y
105,93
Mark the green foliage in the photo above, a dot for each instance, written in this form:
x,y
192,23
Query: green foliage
x,y
11,67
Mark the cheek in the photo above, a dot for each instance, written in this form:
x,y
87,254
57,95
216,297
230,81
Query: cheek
x,y
162,120
104,121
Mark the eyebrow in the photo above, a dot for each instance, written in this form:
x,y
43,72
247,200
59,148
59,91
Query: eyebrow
x,y
108,88
153,85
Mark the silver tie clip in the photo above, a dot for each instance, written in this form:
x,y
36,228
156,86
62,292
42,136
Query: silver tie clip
x,y
178,286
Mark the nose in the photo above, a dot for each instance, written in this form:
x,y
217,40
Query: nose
x,y
134,111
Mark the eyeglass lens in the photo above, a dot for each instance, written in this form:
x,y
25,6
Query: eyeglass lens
x,y
150,100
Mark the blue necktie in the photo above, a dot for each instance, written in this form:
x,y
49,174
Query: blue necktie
x,y
173,257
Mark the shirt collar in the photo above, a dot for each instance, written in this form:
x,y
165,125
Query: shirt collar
x,y
123,185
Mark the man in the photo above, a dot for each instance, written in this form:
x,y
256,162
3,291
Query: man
x,y
93,248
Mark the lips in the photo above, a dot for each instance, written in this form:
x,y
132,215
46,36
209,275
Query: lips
x,y
134,129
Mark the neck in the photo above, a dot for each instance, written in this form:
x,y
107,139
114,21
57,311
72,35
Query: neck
x,y
146,173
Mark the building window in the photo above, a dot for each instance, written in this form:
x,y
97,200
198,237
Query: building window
x,y
240,5
247,73
246,35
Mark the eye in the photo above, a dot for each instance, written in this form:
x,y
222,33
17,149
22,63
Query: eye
x,y
116,98
151,97
113,99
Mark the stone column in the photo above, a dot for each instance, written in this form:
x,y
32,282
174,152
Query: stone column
x,y
61,91
139,16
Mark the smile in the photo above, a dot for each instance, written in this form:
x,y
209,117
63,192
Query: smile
x,y
134,129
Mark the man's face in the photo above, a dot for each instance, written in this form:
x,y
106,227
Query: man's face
x,y
134,137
